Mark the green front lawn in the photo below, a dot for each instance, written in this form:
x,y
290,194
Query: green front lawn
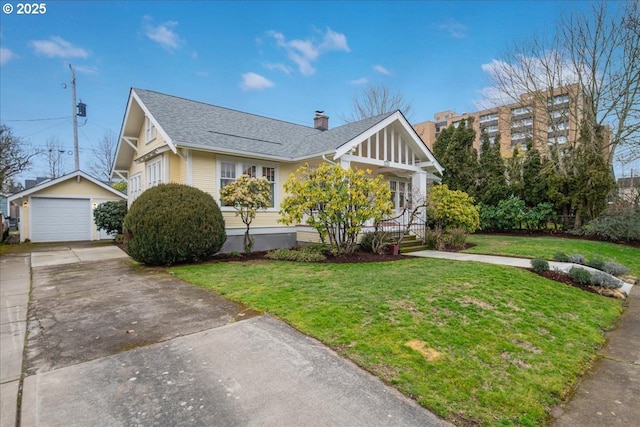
x,y
471,342
545,247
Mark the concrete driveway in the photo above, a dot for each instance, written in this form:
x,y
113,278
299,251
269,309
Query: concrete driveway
x,y
111,343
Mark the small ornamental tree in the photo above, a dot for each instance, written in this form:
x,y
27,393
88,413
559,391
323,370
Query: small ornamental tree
x,y
247,195
109,216
449,209
336,202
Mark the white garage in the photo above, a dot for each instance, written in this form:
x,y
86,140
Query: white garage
x,y
57,220
61,209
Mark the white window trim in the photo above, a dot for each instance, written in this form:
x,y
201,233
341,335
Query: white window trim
x,y
149,128
259,164
134,191
158,173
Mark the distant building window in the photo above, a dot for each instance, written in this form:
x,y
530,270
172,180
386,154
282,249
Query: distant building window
x,y
488,117
520,111
558,140
558,100
150,130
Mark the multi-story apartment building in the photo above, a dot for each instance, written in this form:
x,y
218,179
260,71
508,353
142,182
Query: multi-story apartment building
x,y
545,117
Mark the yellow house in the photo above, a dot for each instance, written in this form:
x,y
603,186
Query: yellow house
x,y
170,139
61,209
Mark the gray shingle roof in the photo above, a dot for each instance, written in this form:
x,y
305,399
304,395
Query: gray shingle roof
x,y
198,125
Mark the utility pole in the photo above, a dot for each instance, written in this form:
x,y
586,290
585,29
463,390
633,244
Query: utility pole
x,y
75,118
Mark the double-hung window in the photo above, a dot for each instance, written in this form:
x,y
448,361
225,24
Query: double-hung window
x,y
135,187
230,171
154,173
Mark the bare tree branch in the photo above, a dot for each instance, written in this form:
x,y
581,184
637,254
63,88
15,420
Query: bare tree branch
x,y
14,156
104,156
376,100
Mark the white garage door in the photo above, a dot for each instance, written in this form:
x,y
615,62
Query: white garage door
x,y
60,220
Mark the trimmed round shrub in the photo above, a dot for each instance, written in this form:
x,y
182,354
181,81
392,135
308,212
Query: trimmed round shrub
x,y
580,275
539,265
578,259
173,223
561,257
605,280
615,269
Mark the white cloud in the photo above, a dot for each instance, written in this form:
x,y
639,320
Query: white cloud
x,y
304,53
455,29
334,41
163,34
253,81
58,47
6,55
279,67
380,69
360,81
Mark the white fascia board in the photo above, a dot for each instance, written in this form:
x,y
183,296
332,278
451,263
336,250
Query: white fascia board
x,y
121,135
60,179
159,128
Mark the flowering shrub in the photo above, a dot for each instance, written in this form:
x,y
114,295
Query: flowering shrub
x,y
449,209
247,195
336,202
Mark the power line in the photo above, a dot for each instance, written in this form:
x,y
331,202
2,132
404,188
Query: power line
x,y
38,120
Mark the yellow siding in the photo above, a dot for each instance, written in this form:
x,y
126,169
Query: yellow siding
x,y
175,166
71,187
203,172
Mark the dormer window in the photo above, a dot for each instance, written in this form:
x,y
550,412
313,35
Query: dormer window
x,y
150,130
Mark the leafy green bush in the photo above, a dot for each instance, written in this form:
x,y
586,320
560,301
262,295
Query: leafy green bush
x,y
617,226
173,223
561,257
605,280
455,238
580,275
615,269
449,209
596,263
578,259
539,265
301,255
109,216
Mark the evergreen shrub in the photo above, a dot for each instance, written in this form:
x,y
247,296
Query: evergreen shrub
x,y
580,275
605,280
578,259
615,269
596,263
561,257
539,265
108,216
173,223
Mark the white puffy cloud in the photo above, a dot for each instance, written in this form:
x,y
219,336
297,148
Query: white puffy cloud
x,y
360,81
163,34
254,81
57,47
303,53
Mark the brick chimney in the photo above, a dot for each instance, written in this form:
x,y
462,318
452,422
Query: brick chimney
x,y
320,121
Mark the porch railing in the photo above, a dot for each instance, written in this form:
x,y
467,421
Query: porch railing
x,y
407,222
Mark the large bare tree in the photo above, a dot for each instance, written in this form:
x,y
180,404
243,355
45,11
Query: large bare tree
x,y
15,157
55,156
103,157
600,53
376,100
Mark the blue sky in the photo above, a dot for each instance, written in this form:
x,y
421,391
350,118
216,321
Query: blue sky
x,y
280,59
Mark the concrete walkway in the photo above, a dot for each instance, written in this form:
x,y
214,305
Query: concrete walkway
x,y
610,394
